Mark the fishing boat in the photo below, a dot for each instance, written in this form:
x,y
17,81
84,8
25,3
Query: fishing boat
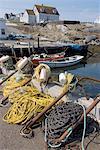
x,y
64,62
36,58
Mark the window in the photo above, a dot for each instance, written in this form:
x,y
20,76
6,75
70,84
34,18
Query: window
x,y
42,10
3,31
54,11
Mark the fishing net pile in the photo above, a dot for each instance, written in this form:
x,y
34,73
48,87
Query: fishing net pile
x,y
61,118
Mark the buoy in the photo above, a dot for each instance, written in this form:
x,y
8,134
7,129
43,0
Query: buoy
x,y
62,78
22,63
43,74
4,58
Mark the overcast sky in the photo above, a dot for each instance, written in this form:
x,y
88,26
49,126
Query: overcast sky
x,y
83,10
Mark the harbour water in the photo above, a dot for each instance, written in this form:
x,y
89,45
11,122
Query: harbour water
x,y
85,70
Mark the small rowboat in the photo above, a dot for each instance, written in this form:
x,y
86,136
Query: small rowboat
x,y
68,61
36,59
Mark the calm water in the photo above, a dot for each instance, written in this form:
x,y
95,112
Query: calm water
x,y
88,70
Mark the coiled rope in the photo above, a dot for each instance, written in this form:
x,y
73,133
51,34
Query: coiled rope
x,y
38,70
13,83
71,82
27,103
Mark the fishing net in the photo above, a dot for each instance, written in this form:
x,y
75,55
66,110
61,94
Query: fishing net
x,y
62,117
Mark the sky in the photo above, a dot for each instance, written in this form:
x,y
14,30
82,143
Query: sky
x,y
82,10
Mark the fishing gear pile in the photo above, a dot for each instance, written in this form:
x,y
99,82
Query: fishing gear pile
x,y
25,66
14,82
38,71
9,64
27,102
28,69
61,118
71,82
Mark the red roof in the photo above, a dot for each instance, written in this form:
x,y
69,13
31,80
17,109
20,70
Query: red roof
x,y
47,9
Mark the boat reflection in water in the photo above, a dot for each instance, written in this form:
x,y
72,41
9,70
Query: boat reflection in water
x,y
68,68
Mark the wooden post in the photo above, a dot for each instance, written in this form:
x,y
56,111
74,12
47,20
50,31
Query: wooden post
x,y
29,51
13,52
21,51
33,47
38,40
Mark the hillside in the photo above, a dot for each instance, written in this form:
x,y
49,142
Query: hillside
x,y
77,33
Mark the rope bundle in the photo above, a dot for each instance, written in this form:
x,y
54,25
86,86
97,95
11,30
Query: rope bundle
x,y
38,70
71,82
27,102
13,83
61,118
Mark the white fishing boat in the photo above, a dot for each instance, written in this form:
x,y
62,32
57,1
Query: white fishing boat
x,y
36,58
68,61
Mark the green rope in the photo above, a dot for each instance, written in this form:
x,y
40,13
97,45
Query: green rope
x,y
83,136
69,130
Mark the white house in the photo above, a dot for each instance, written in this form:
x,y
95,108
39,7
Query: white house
x,y
13,17
28,17
45,13
3,29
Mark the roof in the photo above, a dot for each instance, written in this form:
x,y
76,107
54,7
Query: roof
x,y
47,9
30,12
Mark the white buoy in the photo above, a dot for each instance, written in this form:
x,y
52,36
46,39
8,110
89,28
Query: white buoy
x,y
4,58
62,78
43,74
22,63
2,66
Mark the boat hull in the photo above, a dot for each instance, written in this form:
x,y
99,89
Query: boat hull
x,y
57,64
54,57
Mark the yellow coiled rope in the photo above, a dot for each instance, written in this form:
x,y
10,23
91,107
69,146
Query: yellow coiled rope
x,y
69,85
12,84
38,70
27,102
